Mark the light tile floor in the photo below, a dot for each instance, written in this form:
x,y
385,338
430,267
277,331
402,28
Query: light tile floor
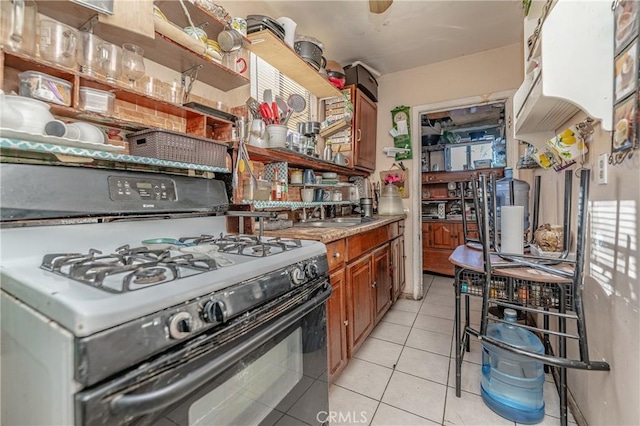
x,y
404,373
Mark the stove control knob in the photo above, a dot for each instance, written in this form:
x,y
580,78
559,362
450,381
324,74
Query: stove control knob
x,y
297,275
213,312
180,325
312,270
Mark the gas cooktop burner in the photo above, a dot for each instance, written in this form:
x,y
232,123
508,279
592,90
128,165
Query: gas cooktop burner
x,y
127,269
247,245
149,276
133,268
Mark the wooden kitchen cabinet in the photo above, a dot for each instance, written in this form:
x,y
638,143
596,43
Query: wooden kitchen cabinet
x,y
439,239
441,236
337,324
359,302
381,281
366,272
364,131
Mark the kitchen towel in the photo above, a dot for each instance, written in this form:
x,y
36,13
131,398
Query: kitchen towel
x,y
512,226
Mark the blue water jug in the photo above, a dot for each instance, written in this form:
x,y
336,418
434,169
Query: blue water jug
x,y
512,384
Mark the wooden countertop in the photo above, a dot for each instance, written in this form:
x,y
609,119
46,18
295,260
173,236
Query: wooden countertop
x,y
327,235
472,259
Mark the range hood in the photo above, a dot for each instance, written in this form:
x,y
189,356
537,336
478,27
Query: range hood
x,y
574,57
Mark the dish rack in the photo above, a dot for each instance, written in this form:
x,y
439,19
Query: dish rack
x,y
175,146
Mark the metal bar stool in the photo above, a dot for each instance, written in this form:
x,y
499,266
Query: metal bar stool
x,y
562,294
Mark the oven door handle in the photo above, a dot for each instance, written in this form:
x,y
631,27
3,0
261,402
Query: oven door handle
x,y
144,403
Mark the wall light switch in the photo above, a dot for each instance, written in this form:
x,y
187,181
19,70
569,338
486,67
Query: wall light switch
x,y
603,161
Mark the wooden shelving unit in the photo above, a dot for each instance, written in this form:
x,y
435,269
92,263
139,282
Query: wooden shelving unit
x,y
174,13
158,49
278,54
271,155
122,92
336,127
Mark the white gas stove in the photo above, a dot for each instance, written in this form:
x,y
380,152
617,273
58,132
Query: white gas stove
x,y
85,308
125,268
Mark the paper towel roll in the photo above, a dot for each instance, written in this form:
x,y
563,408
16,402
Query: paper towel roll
x,y
512,225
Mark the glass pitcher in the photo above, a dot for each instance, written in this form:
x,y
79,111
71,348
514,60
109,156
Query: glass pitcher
x,y
58,43
89,57
18,22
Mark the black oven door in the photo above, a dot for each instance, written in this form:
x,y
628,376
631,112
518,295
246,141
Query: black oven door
x,y
276,370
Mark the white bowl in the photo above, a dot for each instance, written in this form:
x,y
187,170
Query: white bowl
x,y
329,175
89,132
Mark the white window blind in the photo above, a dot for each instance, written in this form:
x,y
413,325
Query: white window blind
x,y
264,76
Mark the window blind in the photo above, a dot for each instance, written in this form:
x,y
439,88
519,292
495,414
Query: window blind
x,y
264,76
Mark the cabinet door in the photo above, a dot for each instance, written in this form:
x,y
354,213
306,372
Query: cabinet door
x,y
442,235
364,135
382,281
359,302
337,324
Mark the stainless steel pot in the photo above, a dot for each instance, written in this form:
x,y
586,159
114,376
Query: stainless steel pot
x,y
309,128
309,52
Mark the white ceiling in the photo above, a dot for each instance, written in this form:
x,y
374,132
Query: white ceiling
x,y
409,34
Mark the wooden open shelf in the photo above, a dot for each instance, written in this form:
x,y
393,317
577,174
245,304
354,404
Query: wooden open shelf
x,y
125,93
174,13
172,55
273,50
336,127
159,49
271,155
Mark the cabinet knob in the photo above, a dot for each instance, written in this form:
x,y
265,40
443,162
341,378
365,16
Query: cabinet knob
x,y
375,284
336,255
346,323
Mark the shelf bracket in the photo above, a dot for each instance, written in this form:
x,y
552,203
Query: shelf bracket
x,y
192,75
89,25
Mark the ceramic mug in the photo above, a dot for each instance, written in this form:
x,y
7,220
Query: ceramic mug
x,y
340,159
318,195
308,177
240,25
306,194
257,130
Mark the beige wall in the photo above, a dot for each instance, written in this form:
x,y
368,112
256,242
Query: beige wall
x,y
475,75
611,284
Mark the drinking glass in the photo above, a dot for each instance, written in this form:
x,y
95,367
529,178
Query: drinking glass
x,y
112,65
132,63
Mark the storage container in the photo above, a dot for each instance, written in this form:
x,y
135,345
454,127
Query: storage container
x,y
390,202
521,194
512,384
260,192
45,87
175,146
97,100
363,79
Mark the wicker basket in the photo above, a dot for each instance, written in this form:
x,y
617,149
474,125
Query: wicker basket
x,y
175,146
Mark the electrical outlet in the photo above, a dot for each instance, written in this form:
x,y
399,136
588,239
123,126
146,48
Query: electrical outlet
x,y
603,161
